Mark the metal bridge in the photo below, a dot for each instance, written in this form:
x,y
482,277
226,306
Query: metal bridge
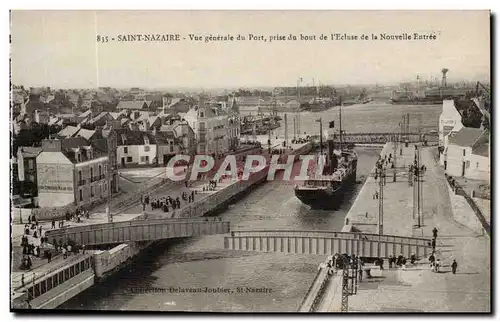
x,y
328,243
139,230
381,138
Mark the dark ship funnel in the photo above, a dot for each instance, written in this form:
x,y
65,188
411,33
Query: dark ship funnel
x,y
332,158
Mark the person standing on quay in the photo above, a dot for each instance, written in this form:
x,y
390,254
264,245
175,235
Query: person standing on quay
x,y
454,266
435,233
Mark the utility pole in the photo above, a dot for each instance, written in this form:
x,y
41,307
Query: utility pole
x,y
295,127
110,171
298,108
345,287
380,225
395,157
407,124
417,190
286,131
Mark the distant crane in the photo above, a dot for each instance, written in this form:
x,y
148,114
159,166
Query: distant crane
x,y
443,80
477,88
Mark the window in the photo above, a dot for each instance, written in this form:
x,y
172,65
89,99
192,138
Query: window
x,y
31,164
100,170
78,157
80,175
202,126
129,159
91,191
147,158
146,148
202,114
91,174
105,187
81,195
125,149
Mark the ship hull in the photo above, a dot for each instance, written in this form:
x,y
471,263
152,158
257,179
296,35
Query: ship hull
x,y
323,198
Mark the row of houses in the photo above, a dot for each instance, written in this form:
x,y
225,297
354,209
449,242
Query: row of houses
x,y
464,151
72,170
75,164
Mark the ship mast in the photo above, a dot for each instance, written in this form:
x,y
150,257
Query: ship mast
x,y
340,125
320,136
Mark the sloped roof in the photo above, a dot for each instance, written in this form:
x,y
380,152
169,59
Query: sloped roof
x,y
115,115
128,137
447,129
84,133
175,101
86,113
482,145
466,137
98,117
164,137
29,151
68,131
130,105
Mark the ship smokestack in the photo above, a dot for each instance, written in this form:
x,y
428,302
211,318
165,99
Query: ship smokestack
x,y
332,158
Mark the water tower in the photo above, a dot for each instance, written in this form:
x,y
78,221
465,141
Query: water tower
x,y
443,80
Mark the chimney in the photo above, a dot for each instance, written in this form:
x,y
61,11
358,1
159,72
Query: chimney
x,y
52,145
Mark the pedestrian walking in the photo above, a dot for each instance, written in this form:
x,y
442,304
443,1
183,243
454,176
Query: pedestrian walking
x,y
433,244
53,224
22,280
454,266
437,265
435,232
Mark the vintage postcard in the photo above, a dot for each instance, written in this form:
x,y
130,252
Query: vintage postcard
x,y
250,161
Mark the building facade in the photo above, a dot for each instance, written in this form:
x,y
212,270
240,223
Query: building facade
x,y
26,171
135,148
450,120
210,128
71,171
467,154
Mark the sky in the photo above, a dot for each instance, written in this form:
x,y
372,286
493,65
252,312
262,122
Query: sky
x,y
59,48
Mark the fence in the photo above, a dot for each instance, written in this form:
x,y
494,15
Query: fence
x,y
316,291
461,192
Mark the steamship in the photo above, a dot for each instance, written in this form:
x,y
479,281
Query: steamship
x,y
326,190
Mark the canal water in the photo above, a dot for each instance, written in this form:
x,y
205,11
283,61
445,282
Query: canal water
x,y
199,275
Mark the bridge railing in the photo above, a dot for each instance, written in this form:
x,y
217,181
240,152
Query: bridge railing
x,y
70,231
328,234
316,291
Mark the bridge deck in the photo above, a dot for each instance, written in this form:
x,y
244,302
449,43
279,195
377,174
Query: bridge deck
x,y
139,230
324,243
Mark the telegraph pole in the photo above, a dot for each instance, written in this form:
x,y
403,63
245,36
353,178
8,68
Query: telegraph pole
x,y
109,173
417,190
295,127
381,175
395,157
286,131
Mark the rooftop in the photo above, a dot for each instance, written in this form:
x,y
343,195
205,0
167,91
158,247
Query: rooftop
x,y
466,137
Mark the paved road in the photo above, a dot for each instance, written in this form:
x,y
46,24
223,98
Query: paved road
x,y
418,288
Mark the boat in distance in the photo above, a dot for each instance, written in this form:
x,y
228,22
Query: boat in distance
x,y
326,190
